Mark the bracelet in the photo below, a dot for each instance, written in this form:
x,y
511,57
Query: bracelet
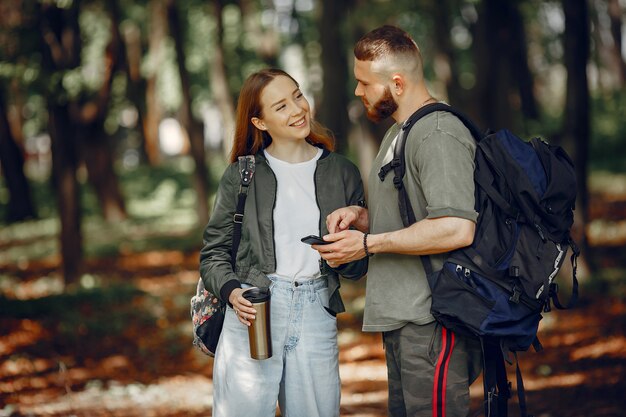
x,y
367,252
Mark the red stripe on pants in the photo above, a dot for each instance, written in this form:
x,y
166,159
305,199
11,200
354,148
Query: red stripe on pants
x,y
441,373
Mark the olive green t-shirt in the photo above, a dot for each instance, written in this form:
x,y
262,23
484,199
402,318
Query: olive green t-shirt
x,y
440,182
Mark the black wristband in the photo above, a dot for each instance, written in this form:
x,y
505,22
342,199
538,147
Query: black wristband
x,y
367,252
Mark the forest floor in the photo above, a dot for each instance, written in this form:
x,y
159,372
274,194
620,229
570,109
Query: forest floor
x,y
124,350
118,344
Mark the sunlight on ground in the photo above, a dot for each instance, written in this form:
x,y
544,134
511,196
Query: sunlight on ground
x,y
182,394
169,395
29,332
365,370
12,287
614,346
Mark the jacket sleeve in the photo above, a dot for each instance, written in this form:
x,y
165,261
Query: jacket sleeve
x,y
355,196
215,256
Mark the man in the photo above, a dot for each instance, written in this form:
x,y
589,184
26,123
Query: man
x,y
429,368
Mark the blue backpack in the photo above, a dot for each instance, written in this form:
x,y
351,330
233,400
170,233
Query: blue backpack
x,y
497,288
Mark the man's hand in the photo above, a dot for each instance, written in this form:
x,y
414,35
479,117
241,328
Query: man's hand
x,y
341,219
347,246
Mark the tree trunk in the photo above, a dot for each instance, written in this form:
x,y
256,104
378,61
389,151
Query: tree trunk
x,y
332,108
99,160
20,205
60,38
158,22
444,59
519,65
130,53
219,82
96,149
503,76
193,127
64,166
492,76
576,41
615,14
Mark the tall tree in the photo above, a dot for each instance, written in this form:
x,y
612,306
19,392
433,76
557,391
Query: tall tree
x,y
20,205
156,50
502,65
332,108
615,15
193,127
130,58
576,40
219,81
60,37
444,56
96,149
606,18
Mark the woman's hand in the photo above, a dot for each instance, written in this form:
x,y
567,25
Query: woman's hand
x,y
243,308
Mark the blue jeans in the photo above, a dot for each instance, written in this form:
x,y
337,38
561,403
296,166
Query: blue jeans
x,y
303,372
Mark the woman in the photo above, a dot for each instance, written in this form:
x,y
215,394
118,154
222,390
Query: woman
x,y
297,183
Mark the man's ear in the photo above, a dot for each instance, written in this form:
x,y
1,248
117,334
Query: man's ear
x,y
398,84
258,123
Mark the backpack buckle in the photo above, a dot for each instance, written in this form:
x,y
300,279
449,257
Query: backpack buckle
x,y
246,169
238,218
553,289
384,170
516,294
397,182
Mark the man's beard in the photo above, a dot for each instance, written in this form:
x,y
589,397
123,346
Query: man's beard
x,y
383,108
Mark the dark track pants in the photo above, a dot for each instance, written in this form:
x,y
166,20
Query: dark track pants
x,y
429,371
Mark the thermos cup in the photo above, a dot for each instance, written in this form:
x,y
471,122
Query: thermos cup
x,y
259,331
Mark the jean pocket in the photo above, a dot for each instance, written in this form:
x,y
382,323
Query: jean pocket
x,y
434,346
322,300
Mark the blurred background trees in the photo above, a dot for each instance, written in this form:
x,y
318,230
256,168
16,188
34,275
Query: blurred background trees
x,y
97,97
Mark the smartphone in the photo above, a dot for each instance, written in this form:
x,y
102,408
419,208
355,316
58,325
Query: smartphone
x,y
314,240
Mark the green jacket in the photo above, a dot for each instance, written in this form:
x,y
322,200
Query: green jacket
x,y
337,184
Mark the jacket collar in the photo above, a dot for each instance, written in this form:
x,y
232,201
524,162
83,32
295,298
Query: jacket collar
x,y
260,156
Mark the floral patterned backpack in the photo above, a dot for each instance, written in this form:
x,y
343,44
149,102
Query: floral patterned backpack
x,y
207,310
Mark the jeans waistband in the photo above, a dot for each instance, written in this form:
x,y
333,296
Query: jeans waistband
x,y
300,283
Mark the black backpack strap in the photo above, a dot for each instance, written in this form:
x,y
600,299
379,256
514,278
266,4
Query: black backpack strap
x,y
521,393
398,163
554,287
246,171
496,386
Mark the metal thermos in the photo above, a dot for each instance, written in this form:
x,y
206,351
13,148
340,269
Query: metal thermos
x,y
259,331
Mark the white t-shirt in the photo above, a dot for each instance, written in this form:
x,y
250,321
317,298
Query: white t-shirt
x,y
296,215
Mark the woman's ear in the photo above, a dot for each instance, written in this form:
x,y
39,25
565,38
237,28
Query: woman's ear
x,y
258,123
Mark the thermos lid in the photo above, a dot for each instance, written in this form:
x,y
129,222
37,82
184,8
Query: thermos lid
x,y
257,294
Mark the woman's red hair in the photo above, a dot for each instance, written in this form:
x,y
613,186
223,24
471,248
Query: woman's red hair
x,y
248,139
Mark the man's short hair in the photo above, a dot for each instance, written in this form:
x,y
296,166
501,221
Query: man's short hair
x,y
391,49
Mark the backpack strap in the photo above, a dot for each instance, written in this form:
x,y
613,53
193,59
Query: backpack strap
x,y
495,384
398,163
554,287
246,172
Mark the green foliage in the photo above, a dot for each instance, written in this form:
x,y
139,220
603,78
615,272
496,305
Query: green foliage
x,y
83,317
90,323
608,130
609,282
67,303
160,201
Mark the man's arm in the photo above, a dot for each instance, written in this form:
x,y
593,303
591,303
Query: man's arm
x,y
426,237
